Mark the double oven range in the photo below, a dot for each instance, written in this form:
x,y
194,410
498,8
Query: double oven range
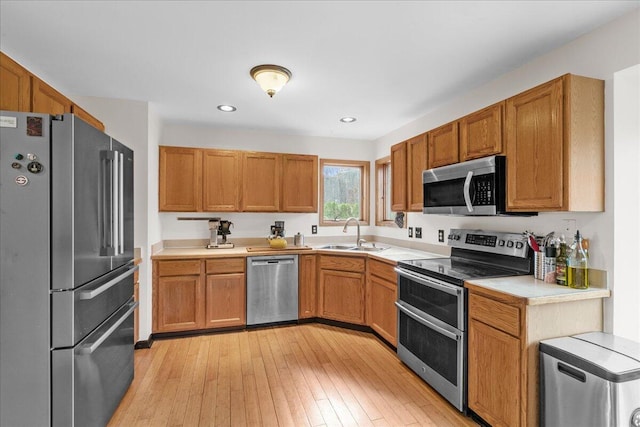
x,y
432,304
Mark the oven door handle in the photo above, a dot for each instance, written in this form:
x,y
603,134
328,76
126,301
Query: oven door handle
x,y
467,194
449,289
427,323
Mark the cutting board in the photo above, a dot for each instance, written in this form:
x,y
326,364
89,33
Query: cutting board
x,y
270,249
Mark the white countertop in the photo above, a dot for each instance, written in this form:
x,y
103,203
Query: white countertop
x,y
392,253
535,292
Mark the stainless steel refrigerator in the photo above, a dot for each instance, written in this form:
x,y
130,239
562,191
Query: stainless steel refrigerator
x,y
66,271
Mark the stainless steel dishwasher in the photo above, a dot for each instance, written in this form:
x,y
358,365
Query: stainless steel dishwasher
x,y
272,289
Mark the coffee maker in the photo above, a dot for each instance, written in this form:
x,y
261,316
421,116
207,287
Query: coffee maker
x,y
277,230
217,227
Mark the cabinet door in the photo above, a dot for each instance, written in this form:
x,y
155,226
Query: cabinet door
x,y
443,145
299,183
381,308
180,182
534,124
399,177
260,182
481,133
180,305
342,295
307,287
15,85
75,109
45,99
221,171
494,375
416,163
225,300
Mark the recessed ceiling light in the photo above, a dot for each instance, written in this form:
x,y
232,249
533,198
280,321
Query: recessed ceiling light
x,y
348,119
227,108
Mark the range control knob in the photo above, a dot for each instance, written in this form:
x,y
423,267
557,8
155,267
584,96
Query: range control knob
x,y
635,418
34,167
519,245
510,244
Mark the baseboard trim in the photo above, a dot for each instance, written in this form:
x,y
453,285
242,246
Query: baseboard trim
x,y
143,344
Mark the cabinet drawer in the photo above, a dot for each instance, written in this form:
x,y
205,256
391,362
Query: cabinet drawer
x,y
382,270
178,268
225,265
496,314
344,263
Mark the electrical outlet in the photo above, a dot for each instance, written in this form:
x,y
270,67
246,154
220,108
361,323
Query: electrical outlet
x,y
440,235
418,232
410,231
314,229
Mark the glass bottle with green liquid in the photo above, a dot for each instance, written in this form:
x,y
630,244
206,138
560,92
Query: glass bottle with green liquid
x,y
577,265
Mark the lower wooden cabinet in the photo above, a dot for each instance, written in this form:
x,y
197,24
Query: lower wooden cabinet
x,y
382,293
307,287
342,288
199,294
503,355
179,305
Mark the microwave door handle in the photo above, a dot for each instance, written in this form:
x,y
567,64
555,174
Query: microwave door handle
x,y
466,190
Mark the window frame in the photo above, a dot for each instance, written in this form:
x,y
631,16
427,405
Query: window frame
x,y
364,190
381,194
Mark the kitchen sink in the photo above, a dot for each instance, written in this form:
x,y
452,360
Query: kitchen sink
x,y
352,248
338,247
367,249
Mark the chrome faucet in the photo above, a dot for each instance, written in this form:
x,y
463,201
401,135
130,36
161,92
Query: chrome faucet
x,y
344,230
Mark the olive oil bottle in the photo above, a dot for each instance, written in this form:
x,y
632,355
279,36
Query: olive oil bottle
x,y
577,265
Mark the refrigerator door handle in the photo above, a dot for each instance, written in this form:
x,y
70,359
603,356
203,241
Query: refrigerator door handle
x,y
106,200
90,348
90,294
115,218
121,204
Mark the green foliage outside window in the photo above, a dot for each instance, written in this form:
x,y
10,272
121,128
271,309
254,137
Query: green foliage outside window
x,y
342,188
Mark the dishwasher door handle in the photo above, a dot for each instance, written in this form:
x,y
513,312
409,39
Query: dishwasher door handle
x,y
273,262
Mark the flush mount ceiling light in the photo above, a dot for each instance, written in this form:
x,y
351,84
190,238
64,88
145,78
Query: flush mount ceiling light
x,y
348,119
227,108
271,78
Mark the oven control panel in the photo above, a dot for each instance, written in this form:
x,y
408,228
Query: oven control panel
x,y
497,242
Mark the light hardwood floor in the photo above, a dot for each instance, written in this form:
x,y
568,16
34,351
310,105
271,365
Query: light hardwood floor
x,y
303,375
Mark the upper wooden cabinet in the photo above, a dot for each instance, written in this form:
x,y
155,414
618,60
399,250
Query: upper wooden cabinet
x,y
399,177
180,183
15,85
22,91
46,99
299,183
481,133
210,180
261,182
555,146
221,180
416,163
443,145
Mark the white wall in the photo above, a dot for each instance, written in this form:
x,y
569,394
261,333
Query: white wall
x,y
252,224
626,159
598,54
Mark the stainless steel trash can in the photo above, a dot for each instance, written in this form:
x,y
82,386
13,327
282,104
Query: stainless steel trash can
x,y
590,379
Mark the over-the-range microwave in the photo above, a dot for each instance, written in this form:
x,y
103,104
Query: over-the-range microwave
x,y
474,187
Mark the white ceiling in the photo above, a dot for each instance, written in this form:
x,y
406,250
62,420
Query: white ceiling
x,y
384,62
